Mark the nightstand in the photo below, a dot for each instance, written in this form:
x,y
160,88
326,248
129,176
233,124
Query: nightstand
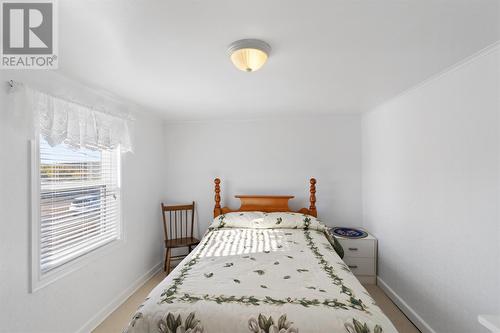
x,y
361,257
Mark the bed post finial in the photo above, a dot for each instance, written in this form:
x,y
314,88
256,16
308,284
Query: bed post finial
x,y
217,209
312,198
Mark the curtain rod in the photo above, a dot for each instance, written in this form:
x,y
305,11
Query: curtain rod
x,y
14,84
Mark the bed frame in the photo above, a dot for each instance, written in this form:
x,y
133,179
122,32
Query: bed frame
x,y
265,203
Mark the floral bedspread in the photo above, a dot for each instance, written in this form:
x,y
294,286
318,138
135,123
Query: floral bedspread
x,y
260,281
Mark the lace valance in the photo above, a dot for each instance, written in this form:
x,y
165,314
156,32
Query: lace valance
x,y
62,121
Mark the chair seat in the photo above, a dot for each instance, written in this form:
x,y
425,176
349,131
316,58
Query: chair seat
x,y
181,242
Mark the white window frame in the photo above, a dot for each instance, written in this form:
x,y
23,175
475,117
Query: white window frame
x,y
38,279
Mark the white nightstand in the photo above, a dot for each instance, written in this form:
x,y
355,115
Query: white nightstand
x,y
361,257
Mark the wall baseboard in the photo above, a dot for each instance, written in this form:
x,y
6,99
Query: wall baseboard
x,y
405,308
119,300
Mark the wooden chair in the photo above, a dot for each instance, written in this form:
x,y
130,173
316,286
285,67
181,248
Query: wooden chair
x,y
177,232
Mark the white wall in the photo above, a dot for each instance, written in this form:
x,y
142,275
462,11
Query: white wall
x,y
431,194
274,156
69,303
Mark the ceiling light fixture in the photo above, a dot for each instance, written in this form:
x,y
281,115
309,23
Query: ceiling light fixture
x,y
249,55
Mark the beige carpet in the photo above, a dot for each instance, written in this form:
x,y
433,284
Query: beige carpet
x,y
403,325
119,319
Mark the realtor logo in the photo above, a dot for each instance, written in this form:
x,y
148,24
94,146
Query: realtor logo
x,y
28,34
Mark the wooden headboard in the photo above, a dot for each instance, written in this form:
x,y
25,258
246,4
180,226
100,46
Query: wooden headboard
x,y
265,203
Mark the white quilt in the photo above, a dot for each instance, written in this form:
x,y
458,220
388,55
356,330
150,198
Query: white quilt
x,y
261,280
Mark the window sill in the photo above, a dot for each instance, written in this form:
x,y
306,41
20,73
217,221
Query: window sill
x,y
41,280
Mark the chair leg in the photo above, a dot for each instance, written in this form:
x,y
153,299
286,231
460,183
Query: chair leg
x,y
166,268
165,261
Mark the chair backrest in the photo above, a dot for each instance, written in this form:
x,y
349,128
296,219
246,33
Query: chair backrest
x,y
178,221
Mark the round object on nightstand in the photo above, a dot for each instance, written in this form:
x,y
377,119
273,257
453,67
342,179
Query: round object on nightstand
x,y
352,233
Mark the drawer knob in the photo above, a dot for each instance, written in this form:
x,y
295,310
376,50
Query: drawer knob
x,y
353,266
353,248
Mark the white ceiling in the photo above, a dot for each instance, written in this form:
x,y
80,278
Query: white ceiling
x,y
328,56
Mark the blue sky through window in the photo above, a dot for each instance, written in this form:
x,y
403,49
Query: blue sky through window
x,y
67,154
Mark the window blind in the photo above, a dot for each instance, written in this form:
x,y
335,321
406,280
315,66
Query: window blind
x,y
79,202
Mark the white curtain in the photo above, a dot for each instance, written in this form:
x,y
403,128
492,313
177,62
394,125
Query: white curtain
x,y
62,121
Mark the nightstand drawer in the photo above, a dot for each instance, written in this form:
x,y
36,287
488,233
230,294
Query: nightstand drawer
x,y
365,248
361,266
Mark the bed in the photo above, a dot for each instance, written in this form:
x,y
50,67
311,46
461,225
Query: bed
x,y
264,269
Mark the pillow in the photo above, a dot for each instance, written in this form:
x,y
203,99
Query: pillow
x,y
274,221
335,243
286,220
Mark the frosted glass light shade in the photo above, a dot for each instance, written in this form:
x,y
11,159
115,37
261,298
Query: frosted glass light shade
x,y
249,55
249,60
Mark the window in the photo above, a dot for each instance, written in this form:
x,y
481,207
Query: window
x,y
78,198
